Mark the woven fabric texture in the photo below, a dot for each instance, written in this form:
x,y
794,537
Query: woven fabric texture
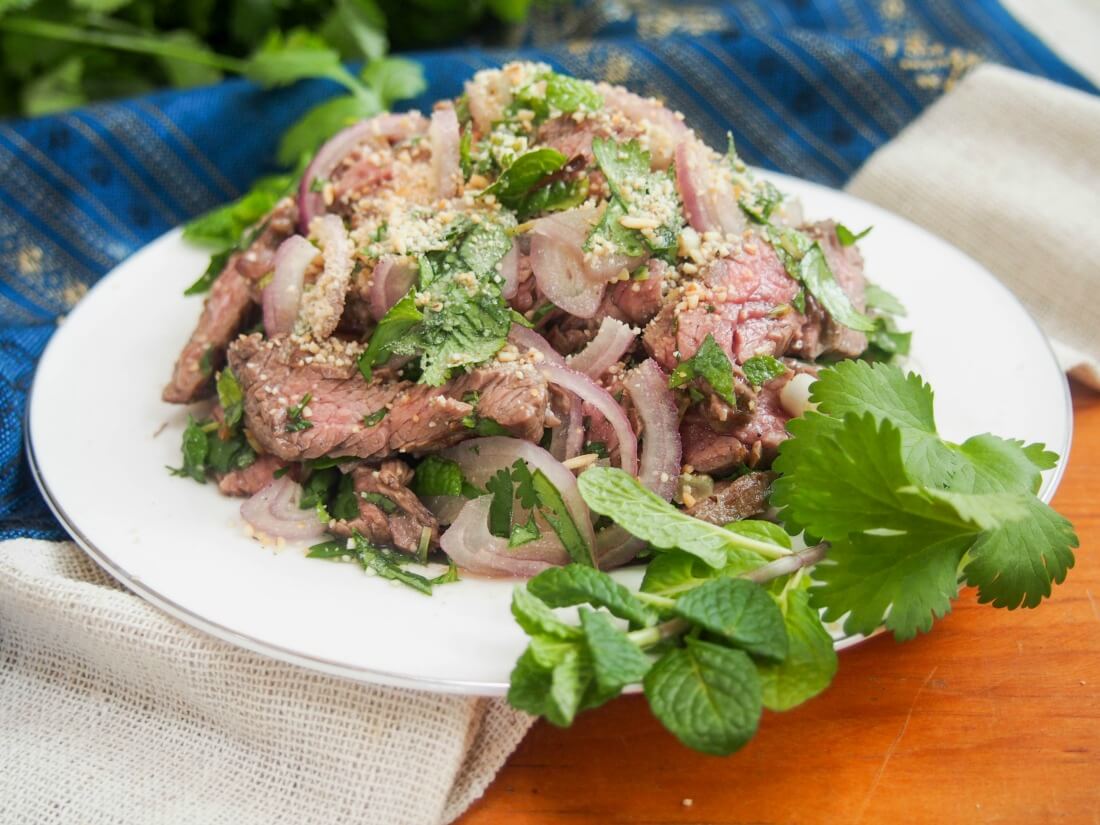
x,y
1000,167
113,712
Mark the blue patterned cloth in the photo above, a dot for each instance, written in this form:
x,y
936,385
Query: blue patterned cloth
x,y
808,87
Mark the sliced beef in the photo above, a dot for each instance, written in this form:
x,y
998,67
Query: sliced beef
x,y
389,512
736,499
820,334
227,308
276,375
223,314
251,479
707,451
735,300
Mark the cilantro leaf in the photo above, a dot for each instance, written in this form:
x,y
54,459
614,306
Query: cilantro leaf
x,y
500,508
617,494
707,695
524,533
760,369
194,448
580,584
739,611
394,326
621,163
903,509
394,79
609,229
847,237
711,364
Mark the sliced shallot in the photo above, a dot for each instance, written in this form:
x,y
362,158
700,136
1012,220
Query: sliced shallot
x,y
390,281
706,191
446,157
387,127
283,295
601,400
472,547
323,304
611,343
274,513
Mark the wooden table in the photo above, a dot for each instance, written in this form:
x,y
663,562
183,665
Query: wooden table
x,y
993,717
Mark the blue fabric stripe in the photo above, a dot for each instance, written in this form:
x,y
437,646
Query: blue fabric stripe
x,y
809,87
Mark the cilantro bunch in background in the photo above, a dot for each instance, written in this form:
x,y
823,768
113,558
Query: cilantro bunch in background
x,y
58,54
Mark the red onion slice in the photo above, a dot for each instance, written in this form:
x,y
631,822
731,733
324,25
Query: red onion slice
x,y
390,282
706,191
526,338
274,512
557,261
446,156
661,447
661,455
509,272
665,127
480,458
283,295
323,304
386,127
600,399
472,547
611,343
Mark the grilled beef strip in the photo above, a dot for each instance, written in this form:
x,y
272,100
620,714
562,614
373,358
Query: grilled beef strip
x,y
227,309
735,499
402,527
276,376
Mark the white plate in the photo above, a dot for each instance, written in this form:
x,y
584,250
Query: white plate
x,y
99,444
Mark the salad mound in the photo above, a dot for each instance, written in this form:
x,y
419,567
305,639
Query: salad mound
x,y
548,331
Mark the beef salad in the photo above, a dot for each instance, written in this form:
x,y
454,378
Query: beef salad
x,y
547,331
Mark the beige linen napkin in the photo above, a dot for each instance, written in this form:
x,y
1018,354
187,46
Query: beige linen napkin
x,y
113,712
1007,168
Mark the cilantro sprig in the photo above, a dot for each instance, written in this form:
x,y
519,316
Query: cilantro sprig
x,y
729,619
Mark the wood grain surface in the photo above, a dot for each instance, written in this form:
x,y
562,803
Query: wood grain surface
x,y
993,717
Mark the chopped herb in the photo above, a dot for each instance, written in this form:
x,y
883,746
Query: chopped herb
x,y
230,397
500,508
395,324
511,188
449,577
760,369
597,447
524,533
344,506
383,503
561,520
761,201
711,364
205,363
847,237
294,421
370,419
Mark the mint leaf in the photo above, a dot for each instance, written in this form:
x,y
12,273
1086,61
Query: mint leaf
x,y
395,325
568,94
739,611
805,261
513,184
711,364
611,231
536,618
616,661
616,494
437,476
579,584
708,696
623,164
811,658
760,369
555,196
878,298
760,201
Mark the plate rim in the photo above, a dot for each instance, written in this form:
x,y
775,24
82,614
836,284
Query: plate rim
x,y
365,675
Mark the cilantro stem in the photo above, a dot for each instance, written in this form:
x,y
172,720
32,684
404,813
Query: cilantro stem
x,y
138,44
787,564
